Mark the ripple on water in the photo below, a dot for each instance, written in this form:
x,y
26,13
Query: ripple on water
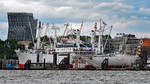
x,y
73,77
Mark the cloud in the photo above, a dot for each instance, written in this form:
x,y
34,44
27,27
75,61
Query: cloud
x,y
133,17
3,30
124,16
114,5
124,24
144,11
47,8
3,25
138,27
62,9
69,9
143,35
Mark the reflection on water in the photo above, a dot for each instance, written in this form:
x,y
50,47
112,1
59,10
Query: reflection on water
x,y
73,77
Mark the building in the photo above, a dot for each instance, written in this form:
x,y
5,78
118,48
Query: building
x,y
125,43
144,51
22,26
144,46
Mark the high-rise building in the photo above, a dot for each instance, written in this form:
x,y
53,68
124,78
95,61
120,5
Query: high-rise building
x,y
22,26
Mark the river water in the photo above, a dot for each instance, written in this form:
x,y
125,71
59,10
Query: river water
x,y
73,77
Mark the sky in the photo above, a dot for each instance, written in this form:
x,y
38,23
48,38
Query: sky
x,y
126,16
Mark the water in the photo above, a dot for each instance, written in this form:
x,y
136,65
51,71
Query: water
x,y
73,77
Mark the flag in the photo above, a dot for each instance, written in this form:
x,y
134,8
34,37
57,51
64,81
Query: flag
x,y
95,27
104,23
49,41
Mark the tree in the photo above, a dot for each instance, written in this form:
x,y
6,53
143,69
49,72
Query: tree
x,y
11,43
31,45
44,39
21,47
85,38
7,48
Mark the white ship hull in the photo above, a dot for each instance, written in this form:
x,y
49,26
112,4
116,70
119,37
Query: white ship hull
x,y
119,60
23,57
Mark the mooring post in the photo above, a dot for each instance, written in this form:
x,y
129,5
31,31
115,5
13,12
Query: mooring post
x,y
44,63
68,59
54,58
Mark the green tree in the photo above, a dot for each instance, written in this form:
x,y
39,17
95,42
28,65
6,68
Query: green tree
x,y
21,47
85,38
31,45
44,39
7,48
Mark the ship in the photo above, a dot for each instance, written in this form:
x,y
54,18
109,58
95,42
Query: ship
x,y
76,53
111,60
55,54
35,55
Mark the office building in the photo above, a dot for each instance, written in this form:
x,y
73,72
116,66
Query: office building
x,y
22,26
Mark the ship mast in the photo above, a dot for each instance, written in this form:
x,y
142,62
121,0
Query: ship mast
x,y
38,36
55,37
78,32
99,40
78,38
92,39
